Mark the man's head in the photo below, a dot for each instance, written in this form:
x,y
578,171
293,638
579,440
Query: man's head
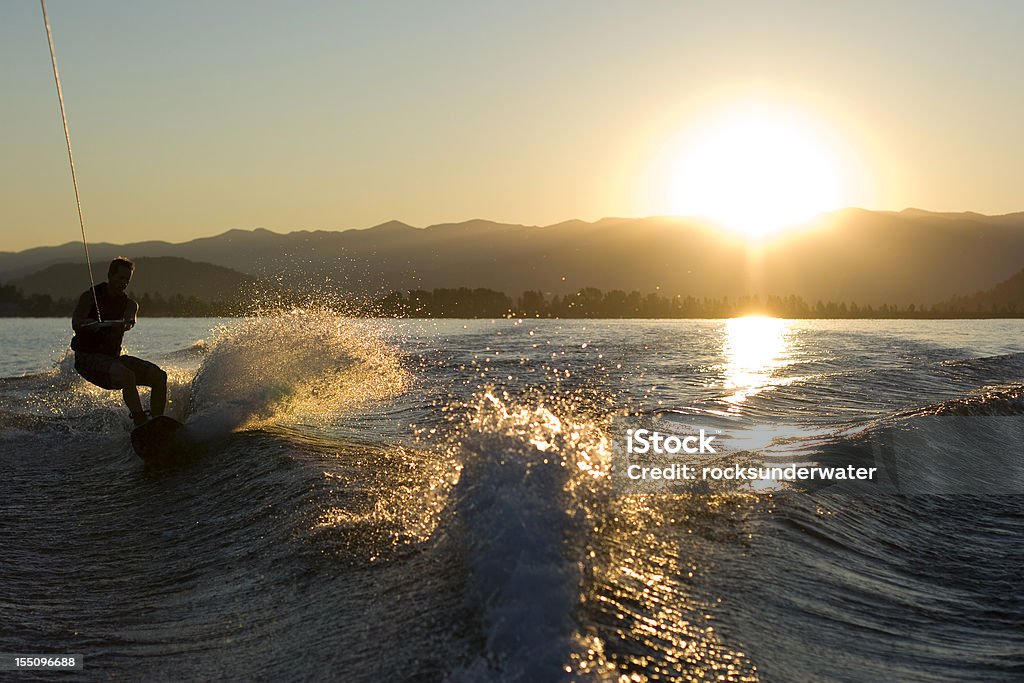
x,y
120,273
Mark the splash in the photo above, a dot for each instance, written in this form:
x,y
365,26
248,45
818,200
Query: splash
x,y
303,366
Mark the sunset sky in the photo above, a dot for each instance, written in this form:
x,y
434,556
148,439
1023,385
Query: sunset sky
x,y
191,118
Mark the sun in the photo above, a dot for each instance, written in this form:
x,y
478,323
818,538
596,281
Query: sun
x,y
756,170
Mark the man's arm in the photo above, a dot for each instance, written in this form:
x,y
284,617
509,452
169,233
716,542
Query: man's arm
x,y
81,315
131,313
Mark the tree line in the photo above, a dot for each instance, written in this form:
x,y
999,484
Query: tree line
x,y
464,302
14,303
591,302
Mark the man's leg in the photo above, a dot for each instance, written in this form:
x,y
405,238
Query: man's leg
x,y
134,403
125,380
149,375
108,372
158,397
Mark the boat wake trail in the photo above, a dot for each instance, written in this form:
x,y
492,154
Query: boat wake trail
x,y
522,500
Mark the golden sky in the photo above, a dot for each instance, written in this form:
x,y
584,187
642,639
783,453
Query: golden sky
x,y
191,118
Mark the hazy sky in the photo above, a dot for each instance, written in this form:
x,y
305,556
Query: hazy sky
x,y
191,118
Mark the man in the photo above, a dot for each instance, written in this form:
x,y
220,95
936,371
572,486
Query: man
x,y
97,343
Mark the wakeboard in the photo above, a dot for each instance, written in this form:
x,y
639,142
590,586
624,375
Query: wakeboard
x,y
161,438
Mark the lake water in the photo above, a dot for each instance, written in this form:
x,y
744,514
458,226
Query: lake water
x,y
446,501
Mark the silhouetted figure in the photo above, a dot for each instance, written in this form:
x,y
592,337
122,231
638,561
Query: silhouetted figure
x,y
97,344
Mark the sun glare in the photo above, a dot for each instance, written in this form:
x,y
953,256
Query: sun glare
x,y
755,171
755,346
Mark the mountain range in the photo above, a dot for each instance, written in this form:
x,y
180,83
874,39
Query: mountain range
x,y
871,257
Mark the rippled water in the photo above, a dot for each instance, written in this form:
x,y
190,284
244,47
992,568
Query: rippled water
x,y
435,501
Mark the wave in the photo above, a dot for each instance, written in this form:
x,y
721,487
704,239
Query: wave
x,y
968,445
965,445
193,351
991,401
1003,364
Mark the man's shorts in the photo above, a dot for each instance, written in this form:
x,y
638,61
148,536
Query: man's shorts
x,y
99,368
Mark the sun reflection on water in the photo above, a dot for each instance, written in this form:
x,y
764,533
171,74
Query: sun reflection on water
x,y
754,348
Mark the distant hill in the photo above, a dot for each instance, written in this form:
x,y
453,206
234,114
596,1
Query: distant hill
x,y
168,276
1006,297
908,257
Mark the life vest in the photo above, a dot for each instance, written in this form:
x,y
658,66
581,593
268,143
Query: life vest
x,y
105,340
